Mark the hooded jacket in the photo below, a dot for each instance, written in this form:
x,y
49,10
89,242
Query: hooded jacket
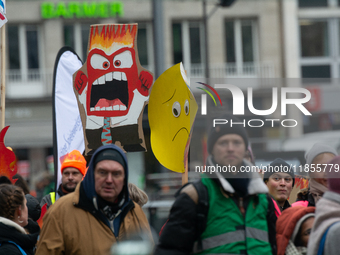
x,y
75,224
327,212
11,231
287,227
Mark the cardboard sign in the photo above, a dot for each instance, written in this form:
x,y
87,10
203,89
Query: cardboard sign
x,y
112,89
301,182
172,110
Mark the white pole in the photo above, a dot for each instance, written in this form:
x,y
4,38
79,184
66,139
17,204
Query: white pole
x,y
3,74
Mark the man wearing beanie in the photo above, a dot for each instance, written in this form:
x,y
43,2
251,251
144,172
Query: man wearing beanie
x,y
318,154
279,178
98,213
72,170
324,238
224,212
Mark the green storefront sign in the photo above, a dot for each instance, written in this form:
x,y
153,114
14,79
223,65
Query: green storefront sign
x,y
69,10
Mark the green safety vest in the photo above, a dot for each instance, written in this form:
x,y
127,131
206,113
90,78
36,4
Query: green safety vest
x,y
228,231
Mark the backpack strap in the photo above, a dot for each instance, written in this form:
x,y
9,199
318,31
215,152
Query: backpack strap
x,y
21,250
202,210
323,240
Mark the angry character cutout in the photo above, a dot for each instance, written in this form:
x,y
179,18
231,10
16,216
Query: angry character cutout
x,y
112,89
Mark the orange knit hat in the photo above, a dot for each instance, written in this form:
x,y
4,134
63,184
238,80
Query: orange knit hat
x,y
74,159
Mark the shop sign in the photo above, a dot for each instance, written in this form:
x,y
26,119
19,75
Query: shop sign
x,y
102,9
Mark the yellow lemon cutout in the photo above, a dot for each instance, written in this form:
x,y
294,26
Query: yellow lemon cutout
x,y
172,110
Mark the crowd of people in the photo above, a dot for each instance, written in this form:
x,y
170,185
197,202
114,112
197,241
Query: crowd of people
x,y
228,212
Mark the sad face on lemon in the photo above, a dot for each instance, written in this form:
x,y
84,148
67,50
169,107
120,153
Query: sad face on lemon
x,y
172,110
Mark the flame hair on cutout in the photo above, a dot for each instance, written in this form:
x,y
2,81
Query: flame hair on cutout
x,y
110,35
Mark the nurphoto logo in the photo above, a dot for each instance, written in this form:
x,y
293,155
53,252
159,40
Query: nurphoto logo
x,y
239,103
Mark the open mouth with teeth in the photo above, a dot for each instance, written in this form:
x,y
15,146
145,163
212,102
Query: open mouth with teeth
x,y
110,93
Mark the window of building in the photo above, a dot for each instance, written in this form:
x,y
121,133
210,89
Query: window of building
x,y
177,42
313,3
32,47
187,41
25,77
85,31
195,44
76,36
314,34
319,48
241,45
145,45
318,3
316,71
23,50
13,47
69,36
142,45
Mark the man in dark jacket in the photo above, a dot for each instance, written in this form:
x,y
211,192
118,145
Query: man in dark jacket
x,y
72,170
97,214
240,218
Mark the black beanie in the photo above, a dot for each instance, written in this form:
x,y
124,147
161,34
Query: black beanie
x,y
226,129
33,206
286,168
110,154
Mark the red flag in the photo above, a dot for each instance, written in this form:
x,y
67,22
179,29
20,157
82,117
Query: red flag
x,y
43,211
8,162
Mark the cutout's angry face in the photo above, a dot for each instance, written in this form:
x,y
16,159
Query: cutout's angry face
x,y
172,109
111,81
112,88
